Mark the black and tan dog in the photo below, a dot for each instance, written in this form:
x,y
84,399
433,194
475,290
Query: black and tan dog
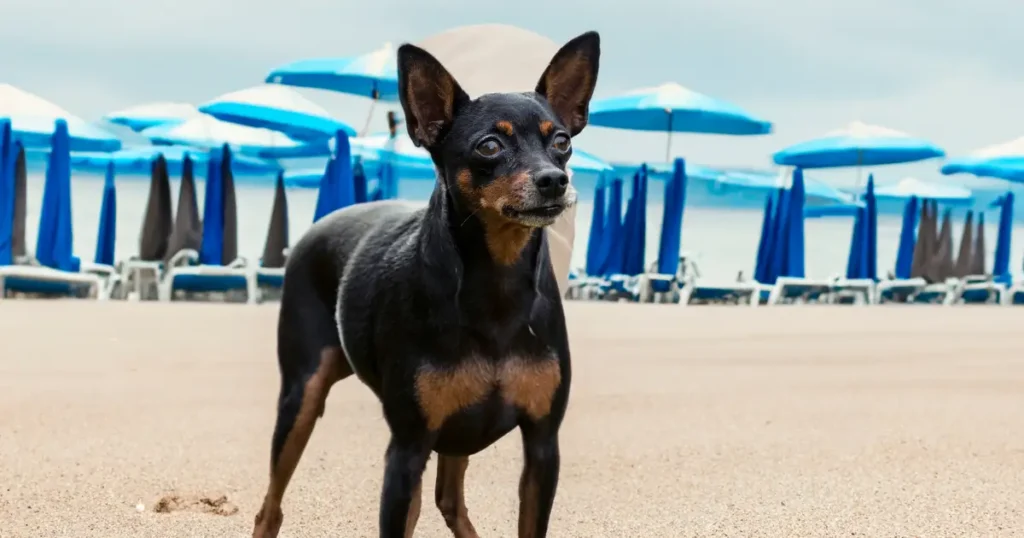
x,y
451,314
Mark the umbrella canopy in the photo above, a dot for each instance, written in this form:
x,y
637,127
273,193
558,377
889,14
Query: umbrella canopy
x,y
34,120
187,232
148,115
277,231
1001,161
210,133
594,238
140,160
277,108
1004,237
157,221
858,144
106,235
373,75
909,187
673,108
978,263
965,257
54,244
672,221
941,266
908,241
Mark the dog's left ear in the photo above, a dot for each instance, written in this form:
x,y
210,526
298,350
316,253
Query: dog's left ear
x,y
569,80
430,95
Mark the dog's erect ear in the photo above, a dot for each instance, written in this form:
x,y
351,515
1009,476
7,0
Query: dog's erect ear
x,y
430,95
568,82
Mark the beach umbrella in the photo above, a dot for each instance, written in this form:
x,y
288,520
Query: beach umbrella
x,y
582,162
612,240
139,160
187,232
856,262
106,235
148,115
858,144
336,186
373,75
764,244
359,186
978,263
157,221
277,231
277,108
33,119
230,209
906,188
965,257
211,250
871,214
7,158
941,266
406,159
1004,237
672,108
925,240
780,234
19,246
1000,161
908,241
54,244
636,234
594,238
793,265
210,133
672,220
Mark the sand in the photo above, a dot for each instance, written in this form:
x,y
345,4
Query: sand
x,y
684,422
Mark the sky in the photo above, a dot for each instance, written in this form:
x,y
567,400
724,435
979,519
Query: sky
x,y
951,72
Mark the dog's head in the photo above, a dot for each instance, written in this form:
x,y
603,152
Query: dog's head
x,y
503,154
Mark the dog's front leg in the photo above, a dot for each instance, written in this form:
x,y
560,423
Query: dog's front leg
x,y
400,499
539,479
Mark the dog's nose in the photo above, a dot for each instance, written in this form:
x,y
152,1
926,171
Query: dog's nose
x,y
551,183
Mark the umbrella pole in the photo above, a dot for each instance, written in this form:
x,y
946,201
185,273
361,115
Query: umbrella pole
x,y
369,116
668,143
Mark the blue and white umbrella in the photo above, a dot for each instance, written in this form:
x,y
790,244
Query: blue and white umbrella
x,y
858,144
209,133
910,187
277,108
141,117
1001,161
672,108
373,75
138,160
33,119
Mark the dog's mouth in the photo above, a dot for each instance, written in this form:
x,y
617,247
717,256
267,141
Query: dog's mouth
x,y
548,211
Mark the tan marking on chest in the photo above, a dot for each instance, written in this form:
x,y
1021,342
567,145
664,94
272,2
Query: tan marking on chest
x,y
528,384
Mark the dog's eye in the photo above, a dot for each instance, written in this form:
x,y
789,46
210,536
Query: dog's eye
x,y
488,147
561,143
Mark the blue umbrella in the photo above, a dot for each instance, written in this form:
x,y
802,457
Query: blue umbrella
x,y
780,236
54,244
373,75
595,239
612,240
1004,236
1001,161
107,233
909,188
211,249
908,239
794,262
210,133
33,119
359,184
871,213
764,244
636,225
149,115
138,160
858,144
277,108
7,186
336,187
672,220
856,266
673,108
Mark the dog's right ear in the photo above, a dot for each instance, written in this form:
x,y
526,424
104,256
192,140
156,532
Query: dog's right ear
x,y
430,95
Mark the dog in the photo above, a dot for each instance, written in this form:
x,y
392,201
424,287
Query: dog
x,y
450,314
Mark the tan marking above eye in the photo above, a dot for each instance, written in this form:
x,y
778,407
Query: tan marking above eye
x,y
546,127
505,127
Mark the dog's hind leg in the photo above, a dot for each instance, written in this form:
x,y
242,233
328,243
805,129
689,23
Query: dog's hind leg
x,y
449,494
311,360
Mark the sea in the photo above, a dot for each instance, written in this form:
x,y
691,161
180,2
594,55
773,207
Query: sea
x,y
720,230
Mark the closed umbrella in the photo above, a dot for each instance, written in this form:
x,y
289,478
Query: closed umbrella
x,y
7,158
277,232
925,240
978,263
106,236
908,241
157,221
18,245
941,266
55,244
1004,237
594,238
764,244
965,256
187,233
672,220
614,229
230,209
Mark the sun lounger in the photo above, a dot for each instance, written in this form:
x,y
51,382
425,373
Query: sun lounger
x,y
184,273
269,280
49,281
893,290
858,290
980,289
700,291
800,290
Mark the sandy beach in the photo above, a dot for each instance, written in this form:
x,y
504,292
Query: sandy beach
x,y
683,422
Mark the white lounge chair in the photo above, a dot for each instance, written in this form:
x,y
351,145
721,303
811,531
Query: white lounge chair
x,y
801,290
889,289
269,277
976,289
184,273
37,278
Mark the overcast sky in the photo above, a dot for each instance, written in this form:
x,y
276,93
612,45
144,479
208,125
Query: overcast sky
x,y
949,71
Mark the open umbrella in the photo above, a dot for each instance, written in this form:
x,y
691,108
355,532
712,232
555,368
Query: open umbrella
x,y
978,263
672,108
277,231
965,256
187,232
148,115
672,220
594,238
54,244
277,108
908,240
210,133
373,75
106,235
858,144
1001,161
33,119
949,195
157,221
139,160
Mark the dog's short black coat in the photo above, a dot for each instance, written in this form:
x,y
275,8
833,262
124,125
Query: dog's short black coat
x,y
450,314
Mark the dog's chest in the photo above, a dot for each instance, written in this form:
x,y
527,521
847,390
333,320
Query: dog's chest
x,y
526,382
